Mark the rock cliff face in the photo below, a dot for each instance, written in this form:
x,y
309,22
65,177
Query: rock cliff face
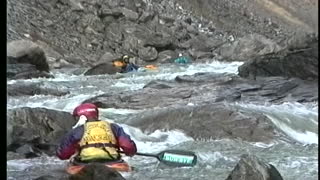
x,y
82,32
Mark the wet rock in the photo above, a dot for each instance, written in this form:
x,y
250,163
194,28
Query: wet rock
x,y
24,51
267,89
159,85
166,56
29,75
33,89
301,62
216,121
12,155
97,171
103,68
35,126
14,69
146,98
210,87
252,168
247,47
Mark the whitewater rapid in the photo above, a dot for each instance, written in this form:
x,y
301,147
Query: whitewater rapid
x,y
216,157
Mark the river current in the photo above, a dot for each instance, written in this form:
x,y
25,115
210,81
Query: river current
x,y
297,159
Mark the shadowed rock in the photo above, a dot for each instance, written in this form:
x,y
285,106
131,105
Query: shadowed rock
x,y
301,62
252,168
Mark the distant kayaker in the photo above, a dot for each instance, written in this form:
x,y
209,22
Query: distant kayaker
x,y
125,64
94,140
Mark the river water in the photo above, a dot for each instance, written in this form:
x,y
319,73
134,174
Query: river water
x,y
295,159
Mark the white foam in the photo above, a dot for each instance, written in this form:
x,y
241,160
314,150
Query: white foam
x,y
156,141
306,137
64,103
134,81
22,164
299,121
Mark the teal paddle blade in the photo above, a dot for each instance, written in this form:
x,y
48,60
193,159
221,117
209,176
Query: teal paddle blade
x,y
178,158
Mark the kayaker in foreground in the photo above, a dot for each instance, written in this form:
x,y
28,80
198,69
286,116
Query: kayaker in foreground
x,y
95,140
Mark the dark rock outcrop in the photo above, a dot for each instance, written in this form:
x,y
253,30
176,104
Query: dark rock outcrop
x,y
252,168
35,130
296,61
96,171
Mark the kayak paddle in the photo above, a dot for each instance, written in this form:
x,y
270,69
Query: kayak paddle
x,y
173,157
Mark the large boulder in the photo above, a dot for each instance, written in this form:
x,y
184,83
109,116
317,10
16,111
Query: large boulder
x,y
26,60
25,51
215,120
38,127
247,47
297,61
251,167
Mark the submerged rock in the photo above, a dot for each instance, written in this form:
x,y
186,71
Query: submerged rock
x,y
12,155
252,168
97,171
33,89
